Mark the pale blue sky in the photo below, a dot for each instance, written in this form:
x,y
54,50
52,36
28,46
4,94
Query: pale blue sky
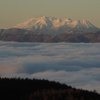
x,y
13,12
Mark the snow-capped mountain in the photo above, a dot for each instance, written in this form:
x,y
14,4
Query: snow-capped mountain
x,y
51,25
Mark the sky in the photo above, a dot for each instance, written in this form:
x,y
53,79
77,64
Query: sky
x,y
13,12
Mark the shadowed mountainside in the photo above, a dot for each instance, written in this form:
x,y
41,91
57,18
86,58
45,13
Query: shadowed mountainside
x,y
21,35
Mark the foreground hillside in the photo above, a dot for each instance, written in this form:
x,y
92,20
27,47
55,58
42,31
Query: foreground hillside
x,y
26,89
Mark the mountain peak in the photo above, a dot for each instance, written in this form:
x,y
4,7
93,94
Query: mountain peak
x,y
51,25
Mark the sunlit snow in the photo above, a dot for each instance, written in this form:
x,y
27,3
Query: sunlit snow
x,y
51,25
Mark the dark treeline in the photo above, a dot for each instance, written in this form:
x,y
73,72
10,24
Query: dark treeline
x,y
33,89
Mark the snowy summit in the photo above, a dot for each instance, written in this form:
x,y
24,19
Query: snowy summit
x,y
51,25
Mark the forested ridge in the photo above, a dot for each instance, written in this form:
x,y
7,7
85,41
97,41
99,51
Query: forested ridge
x,y
34,89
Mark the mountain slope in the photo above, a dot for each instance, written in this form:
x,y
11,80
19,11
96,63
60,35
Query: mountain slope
x,y
50,29
51,25
21,35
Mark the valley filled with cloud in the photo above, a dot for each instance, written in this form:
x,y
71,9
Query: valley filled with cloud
x,y
76,64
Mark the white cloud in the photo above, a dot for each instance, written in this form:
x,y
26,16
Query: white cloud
x,y
76,64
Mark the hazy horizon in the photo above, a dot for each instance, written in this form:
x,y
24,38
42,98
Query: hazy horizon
x,y
14,12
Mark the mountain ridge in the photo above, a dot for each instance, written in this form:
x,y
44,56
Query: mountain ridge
x,y
50,29
51,25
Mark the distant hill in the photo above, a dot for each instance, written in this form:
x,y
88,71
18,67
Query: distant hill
x,y
26,89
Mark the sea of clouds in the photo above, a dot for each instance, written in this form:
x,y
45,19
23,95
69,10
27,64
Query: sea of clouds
x,y
76,64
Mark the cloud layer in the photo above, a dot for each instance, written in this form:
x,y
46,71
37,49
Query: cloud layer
x,y
76,64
